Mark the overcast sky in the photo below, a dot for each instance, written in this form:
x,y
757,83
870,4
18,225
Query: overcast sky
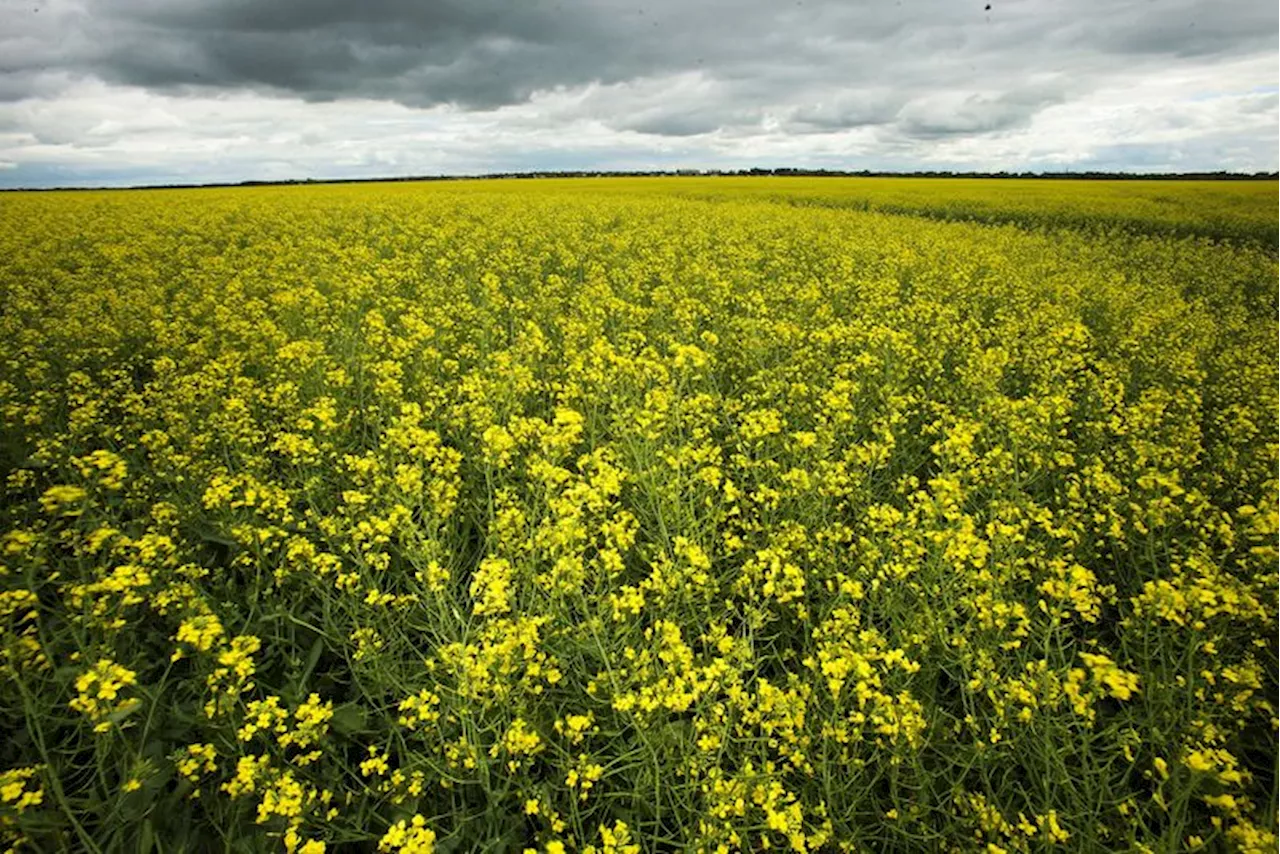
x,y
155,91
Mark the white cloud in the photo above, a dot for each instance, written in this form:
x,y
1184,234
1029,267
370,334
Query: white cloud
x,y
1201,118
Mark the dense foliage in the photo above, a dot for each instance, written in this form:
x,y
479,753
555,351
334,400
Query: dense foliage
x,y
1243,212
626,516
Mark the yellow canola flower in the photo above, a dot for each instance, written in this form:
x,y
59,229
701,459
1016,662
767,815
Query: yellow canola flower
x,y
491,587
99,693
106,466
21,789
202,632
408,837
1119,683
63,500
197,760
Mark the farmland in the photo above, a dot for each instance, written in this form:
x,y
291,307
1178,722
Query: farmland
x,y
640,515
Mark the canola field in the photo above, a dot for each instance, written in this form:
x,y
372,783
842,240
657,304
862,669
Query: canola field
x,y
621,516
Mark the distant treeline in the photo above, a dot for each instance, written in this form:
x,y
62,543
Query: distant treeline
x,y
732,173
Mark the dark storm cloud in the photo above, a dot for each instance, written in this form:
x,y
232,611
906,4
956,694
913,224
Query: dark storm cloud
x,y
386,53
476,55
480,54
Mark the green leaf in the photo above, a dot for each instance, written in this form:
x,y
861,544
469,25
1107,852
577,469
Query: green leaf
x,y
317,647
147,838
126,712
349,718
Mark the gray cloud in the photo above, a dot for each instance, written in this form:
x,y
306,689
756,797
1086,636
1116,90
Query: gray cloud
x,y
842,110
482,54
1185,29
886,77
976,113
